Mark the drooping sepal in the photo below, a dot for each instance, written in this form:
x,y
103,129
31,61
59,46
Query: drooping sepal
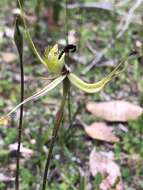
x,y
96,87
39,94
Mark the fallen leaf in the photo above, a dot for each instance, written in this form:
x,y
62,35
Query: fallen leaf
x,y
115,110
101,131
4,178
8,57
26,152
3,121
103,163
9,32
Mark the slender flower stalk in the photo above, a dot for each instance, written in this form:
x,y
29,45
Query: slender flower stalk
x,y
18,37
59,117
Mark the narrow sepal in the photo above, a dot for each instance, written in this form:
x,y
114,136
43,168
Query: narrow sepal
x,y
39,94
96,87
29,39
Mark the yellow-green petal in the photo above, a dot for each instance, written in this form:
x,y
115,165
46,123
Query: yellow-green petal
x,y
52,60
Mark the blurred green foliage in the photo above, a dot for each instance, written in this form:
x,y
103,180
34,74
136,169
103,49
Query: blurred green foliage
x,y
132,141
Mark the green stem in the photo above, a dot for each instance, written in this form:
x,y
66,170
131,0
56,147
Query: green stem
x,y
66,21
19,127
18,37
69,106
37,11
59,117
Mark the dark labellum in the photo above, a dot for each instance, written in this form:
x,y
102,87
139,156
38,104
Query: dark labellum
x,y
69,48
133,52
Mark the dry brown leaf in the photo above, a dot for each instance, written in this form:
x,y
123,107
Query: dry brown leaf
x,y
101,131
8,32
26,152
4,121
115,110
4,178
8,57
103,163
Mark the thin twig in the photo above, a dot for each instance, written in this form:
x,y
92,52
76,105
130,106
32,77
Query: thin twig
x,y
67,58
91,6
128,18
91,49
59,118
97,58
66,22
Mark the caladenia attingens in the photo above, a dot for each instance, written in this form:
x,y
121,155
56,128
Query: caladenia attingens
x,y
54,61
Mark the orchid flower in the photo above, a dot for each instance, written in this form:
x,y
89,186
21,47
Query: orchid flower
x,y
54,61
58,66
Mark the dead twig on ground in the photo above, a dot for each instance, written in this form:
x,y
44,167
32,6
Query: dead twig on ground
x,y
128,18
